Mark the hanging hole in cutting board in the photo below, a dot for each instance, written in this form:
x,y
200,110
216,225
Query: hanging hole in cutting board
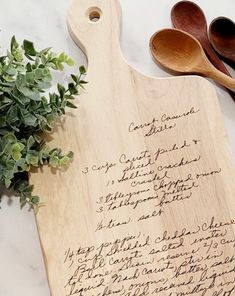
x,y
94,14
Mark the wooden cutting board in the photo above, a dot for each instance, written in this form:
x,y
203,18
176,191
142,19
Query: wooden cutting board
x,y
147,206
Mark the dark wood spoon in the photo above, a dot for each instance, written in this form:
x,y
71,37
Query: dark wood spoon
x,y
189,17
222,37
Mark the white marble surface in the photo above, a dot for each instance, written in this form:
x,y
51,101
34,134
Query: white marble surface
x,y
22,271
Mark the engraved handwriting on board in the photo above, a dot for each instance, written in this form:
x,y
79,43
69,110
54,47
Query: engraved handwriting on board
x,y
196,260
141,265
165,122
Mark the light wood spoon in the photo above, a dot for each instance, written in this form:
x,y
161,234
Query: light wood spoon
x,y
180,52
222,37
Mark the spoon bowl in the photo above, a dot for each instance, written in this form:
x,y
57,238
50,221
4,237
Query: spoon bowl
x,y
189,17
182,53
174,51
222,37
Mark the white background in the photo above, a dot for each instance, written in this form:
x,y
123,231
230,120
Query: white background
x,y
44,22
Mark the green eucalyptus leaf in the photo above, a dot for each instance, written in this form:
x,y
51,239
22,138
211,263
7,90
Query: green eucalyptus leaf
x,y
75,78
30,142
30,119
29,49
70,105
61,89
16,155
83,82
35,199
82,70
28,111
73,89
70,62
32,158
14,43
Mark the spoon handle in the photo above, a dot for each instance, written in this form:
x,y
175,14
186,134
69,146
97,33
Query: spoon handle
x,y
220,77
216,61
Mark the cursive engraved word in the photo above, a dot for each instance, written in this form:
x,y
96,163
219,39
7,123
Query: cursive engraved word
x,y
186,261
154,126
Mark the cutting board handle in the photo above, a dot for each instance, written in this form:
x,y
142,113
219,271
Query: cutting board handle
x,y
95,27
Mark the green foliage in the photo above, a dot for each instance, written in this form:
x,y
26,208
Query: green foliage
x,y
26,113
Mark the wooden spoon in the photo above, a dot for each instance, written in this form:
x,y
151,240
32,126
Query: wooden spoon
x,y
189,17
179,51
222,37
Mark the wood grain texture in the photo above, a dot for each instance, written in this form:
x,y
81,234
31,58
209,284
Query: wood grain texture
x,y
115,114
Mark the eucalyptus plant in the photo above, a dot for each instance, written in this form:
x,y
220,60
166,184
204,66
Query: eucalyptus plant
x,y
28,111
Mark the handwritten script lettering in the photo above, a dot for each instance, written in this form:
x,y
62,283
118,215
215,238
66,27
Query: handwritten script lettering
x,y
159,125
139,255
145,265
146,170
